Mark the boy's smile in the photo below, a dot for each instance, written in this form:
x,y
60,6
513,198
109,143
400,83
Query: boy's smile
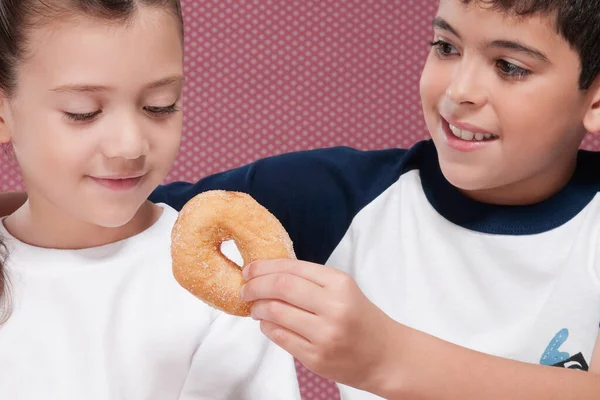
x,y
502,103
463,136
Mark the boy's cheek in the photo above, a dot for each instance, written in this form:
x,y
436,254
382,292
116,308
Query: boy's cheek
x,y
432,86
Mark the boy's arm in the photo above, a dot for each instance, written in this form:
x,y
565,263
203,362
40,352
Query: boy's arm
x,y
11,201
430,368
420,365
237,362
320,316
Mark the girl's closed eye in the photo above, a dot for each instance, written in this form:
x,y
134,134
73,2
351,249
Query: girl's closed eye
x,y
81,117
155,111
162,112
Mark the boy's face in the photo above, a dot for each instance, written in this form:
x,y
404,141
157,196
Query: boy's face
x,y
501,102
94,121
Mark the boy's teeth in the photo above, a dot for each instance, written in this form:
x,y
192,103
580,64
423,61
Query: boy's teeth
x,y
468,135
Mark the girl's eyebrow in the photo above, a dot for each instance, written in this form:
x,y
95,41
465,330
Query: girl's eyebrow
x,y
83,88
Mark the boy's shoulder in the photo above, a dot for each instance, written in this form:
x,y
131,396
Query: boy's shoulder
x,y
343,170
314,193
363,173
307,174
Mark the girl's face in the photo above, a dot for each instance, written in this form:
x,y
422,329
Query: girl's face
x,y
95,121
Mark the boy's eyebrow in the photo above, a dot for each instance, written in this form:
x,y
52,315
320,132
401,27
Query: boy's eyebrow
x,y
516,46
441,23
175,79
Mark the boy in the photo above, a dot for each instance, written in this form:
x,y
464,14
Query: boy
x,y
486,237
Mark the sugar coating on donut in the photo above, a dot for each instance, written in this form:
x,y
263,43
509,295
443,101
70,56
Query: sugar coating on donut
x,y
203,224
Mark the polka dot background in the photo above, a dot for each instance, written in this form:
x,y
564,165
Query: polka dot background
x,y
271,76
268,76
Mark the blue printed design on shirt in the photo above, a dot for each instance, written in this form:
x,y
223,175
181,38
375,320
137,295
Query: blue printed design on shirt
x,y
552,355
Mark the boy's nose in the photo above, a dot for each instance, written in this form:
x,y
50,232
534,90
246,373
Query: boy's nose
x,y
465,86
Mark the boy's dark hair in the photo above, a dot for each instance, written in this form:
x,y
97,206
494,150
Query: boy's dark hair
x,y
16,18
578,21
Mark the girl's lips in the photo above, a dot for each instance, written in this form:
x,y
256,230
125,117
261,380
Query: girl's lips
x,y
118,184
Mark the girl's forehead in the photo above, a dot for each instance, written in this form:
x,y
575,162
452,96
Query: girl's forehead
x,y
72,26
93,52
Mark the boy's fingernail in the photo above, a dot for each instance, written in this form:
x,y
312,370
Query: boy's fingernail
x,y
245,271
242,291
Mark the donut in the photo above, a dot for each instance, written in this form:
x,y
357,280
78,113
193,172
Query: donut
x,y
203,224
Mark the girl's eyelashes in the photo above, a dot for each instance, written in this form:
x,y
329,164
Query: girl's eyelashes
x,y
82,117
162,111
155,111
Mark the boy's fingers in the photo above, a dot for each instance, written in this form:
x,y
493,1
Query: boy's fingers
x,y
316,273
286,287
295,320
291,342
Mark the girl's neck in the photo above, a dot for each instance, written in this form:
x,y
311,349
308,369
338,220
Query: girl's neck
x,y
54,230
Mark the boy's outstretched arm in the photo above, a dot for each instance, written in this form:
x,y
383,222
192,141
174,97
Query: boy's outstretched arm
x,y
321,317
453,372
11,201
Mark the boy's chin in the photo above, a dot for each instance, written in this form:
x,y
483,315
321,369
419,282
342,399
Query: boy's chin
x,y
467,178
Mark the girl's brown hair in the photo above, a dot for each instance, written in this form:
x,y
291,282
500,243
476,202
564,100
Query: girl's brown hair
x,y
16,18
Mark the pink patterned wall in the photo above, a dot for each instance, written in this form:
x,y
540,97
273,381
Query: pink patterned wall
x,y
270,76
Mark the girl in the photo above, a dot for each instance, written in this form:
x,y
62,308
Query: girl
x,y
90,99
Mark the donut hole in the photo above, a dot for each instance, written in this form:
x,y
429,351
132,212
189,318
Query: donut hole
x,y
231,252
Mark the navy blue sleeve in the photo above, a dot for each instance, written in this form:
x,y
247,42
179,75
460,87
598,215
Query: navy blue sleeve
x,y
314,194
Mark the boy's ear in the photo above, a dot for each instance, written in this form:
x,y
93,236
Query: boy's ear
x,y
591,120
5,134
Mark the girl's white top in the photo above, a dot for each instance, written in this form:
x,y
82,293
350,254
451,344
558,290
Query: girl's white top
x,y
111,322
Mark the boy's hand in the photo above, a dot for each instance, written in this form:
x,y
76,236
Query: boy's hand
x,y
320,316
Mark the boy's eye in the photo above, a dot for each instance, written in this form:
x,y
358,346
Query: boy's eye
x,y
161,111
82,117
510,70
444,49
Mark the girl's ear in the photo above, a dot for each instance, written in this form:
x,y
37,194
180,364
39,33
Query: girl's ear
x,y
5,134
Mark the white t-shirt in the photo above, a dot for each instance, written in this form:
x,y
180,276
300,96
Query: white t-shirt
x,y
519,282
111,322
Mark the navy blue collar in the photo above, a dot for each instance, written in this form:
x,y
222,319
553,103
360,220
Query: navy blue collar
x,y
510,220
